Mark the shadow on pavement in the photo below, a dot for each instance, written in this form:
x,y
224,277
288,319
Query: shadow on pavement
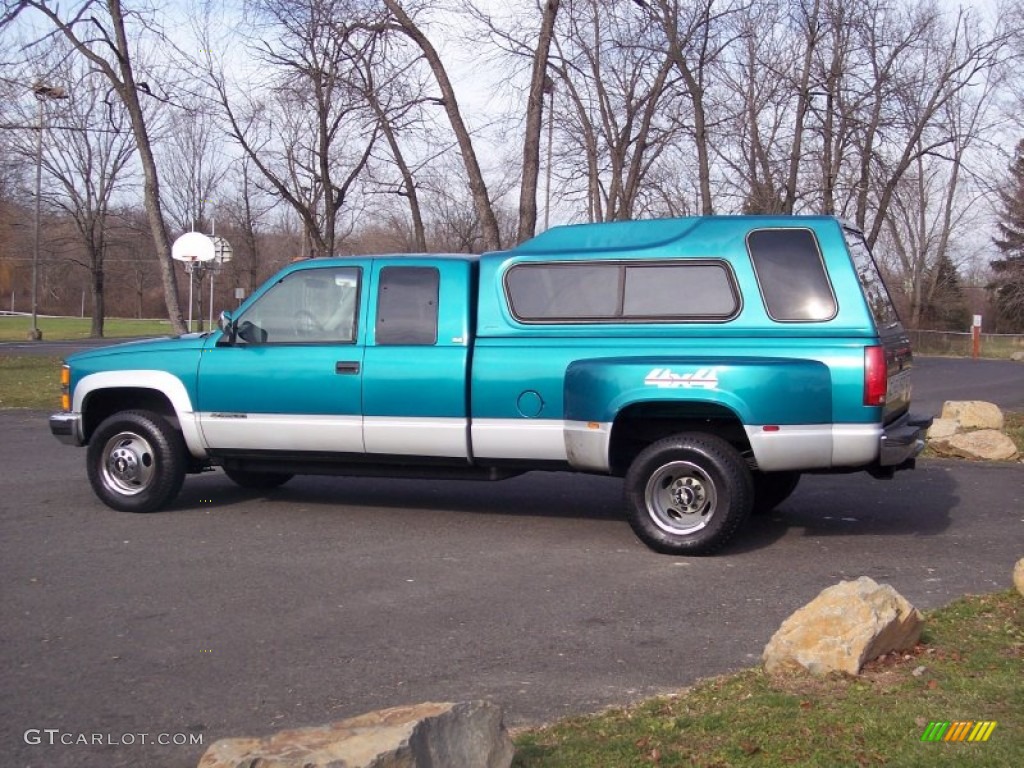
x,y
914,503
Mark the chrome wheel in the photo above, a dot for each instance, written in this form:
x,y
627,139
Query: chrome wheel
x,y
136,461
680,498
128,464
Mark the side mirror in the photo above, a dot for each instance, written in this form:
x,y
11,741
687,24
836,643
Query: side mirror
x,y
251,333
227,324
224,321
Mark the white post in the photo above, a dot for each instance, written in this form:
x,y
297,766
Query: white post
x,y
213,275
190,296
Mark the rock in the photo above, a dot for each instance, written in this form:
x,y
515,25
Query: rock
x,y
430,735
973,414
942,428
844,627
987,444
1018,576
1018,357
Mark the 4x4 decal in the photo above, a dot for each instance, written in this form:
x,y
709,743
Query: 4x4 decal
x,y
664,378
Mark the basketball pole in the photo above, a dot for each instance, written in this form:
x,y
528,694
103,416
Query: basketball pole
x,y
191,269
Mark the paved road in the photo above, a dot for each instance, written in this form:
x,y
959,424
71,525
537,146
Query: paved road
x,y
235,613
937,379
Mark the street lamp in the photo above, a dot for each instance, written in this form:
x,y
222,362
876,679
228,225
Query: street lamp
x,y
43,93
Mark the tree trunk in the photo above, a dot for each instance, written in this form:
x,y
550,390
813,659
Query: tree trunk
x,y
534,124
98,301
478,189
130,95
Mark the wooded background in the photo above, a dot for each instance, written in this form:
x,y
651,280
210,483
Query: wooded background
x,y
298,128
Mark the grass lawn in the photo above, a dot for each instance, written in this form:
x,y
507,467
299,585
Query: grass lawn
x,y
30,381
16,328
968,667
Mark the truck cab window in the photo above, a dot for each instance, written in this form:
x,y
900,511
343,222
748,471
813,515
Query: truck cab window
x,y
310,306
407,306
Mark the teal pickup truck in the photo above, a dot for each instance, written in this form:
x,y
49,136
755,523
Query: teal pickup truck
x,y
708,361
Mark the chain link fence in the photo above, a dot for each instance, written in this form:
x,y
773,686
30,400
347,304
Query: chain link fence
x,y
994,345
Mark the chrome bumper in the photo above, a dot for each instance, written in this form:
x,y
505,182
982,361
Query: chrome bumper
x,y
67,427
902,440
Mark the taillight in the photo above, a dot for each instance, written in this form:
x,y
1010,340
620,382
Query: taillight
x,y
65,388
875,376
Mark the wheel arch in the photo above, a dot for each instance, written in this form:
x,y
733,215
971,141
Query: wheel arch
x,y
640,424
100,395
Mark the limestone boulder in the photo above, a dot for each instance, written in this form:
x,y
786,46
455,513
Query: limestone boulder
x,y
1018,576
973,414
1018,357
844,627
986,444
943,428
431,735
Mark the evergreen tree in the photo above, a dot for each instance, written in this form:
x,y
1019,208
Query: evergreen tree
x,y
946,307
1007,286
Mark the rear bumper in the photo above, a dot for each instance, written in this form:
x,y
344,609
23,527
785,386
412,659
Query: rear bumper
x,y
902,440
67,427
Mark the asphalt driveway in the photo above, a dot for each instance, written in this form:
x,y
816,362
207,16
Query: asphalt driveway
x,y
235,613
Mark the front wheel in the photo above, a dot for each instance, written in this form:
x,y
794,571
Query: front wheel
x,y
688,494
136,461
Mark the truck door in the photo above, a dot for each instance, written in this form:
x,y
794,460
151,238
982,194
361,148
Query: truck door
x,y
416,359
291,379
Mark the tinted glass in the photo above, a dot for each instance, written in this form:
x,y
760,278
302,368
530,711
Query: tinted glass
x,y
564,291
679,290
407,306
791,275
313,305
871,281
626,292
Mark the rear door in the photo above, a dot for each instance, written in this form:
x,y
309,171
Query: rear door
x,y
416,358
892,336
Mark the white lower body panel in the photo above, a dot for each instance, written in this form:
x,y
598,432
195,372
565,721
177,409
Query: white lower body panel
x,y
814,446
283,432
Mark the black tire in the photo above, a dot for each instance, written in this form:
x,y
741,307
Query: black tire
x,y
263,481
688,494
771,489
136,461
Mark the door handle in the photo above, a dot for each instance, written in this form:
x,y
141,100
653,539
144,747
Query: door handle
x,y
345,367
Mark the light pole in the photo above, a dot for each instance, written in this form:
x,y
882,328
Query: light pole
x,y
549,89
43,93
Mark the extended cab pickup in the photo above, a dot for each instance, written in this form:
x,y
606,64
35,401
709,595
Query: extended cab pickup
x,y
708,361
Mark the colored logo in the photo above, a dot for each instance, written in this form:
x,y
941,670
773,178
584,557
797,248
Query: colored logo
x,y
664,378
960,730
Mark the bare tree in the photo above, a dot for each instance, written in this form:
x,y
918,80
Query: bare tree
x,y
195,165
99,32
482,203
695,36
246,214
88,154
539,82
613,80
396,99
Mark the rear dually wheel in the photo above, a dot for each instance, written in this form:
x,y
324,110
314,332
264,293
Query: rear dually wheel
x,y
688,494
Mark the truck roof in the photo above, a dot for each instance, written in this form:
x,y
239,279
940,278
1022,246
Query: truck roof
x,y
640,234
